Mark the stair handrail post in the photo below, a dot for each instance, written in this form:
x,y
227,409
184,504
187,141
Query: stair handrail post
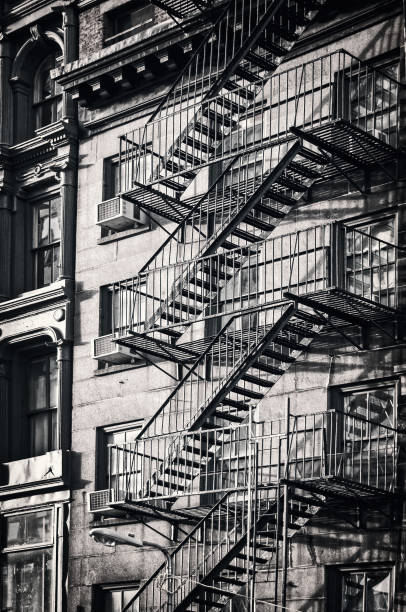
x,y
285,511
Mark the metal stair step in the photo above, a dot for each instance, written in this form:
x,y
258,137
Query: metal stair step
x,y
218,117
282,340
258,223
189,158
198,144
289,35
195,296
300,330
189,462
227,244
217,274
292,184
260,61
208,602
265,367
195,450
234,418
279,356
171,317
307,500
242,92
176,472
202,128
235,404
229,580
271,47
245,74
308,316
174,167
302,513
239,233
168,331
251,558
313,156
255,380
247,392
230,105
186,307
173,185
267,210
209,285
304,170
170,485
280,197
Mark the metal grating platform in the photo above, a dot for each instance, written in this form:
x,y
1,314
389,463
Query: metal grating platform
x,y
355,147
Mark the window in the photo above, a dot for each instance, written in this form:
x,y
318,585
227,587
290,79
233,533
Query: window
x,y
364,447
127,21
47,98
372,100
363,590
27,562
115,444
46,241
112,598
117,307
371,260
42,404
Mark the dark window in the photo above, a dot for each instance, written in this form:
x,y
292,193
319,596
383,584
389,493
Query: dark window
x,y
46,241
112,598
370,262
128,20
27,562
42,402
47,98
361,590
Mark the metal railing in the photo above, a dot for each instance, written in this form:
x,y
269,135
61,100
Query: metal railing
x,y
321,446
304,262
334,86
317,446
221,357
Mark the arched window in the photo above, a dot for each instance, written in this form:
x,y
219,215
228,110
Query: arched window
x,y
47,98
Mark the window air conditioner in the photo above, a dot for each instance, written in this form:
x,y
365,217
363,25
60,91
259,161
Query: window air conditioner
x,y
120,214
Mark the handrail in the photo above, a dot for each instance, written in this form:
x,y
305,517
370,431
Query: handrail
x,y
180,545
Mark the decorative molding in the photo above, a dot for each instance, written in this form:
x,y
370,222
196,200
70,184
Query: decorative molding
x,y
58,292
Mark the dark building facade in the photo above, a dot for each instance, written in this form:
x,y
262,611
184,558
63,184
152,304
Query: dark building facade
x,y
202,349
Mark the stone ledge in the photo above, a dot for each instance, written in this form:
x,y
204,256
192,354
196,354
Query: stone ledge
x,y
31,300
43,472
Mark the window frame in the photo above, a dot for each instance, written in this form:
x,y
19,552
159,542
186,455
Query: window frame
x,y
39,102
110,32
51,412
101,465
98,601
55,246
44,545
335,575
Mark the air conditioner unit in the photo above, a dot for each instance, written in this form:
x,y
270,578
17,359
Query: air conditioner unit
x,y
120,214
105,349
99,501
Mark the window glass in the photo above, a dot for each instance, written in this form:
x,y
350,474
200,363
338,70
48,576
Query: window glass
x,y
114,599
117,446
129,19
366,591
46,237
30,528
47,99
375,405
27,581
42,404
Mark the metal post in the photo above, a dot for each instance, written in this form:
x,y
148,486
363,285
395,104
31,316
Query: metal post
x,y
285,549
249,511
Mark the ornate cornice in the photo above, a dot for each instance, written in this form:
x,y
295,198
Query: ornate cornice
x,y
36,300
134,63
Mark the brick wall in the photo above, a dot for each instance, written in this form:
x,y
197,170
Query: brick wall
x,y
90,32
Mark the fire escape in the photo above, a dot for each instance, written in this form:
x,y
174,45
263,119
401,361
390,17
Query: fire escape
x,y
226,156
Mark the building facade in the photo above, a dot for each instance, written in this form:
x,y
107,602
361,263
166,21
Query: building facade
x,y
202,351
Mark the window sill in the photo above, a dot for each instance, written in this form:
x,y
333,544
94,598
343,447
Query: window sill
x,y
111,40
43,472
134,231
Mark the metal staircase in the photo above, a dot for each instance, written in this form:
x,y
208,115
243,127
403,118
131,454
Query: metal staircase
x,y
319,465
